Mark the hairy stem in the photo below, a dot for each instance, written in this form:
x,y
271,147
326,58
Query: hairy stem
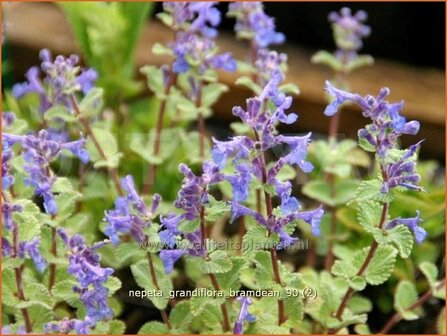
x,y
150,261
88,130
274,257
53,250
363,268
152,170
397,317
223,307
18,276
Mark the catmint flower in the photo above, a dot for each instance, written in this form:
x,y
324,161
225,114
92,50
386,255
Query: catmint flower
x,y
194,45
349,31
170,257
85,267
268,62
63,77
6,248
252,23
7,178
192,196
130,214
32,249
248,160
412,224
387,123
7,330
38,152
244,315
66,326
7,210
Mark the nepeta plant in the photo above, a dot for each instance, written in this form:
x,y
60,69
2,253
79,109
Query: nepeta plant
x,y
222,252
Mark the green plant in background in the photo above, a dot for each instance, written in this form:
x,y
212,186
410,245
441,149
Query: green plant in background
x,y
61,275
107,33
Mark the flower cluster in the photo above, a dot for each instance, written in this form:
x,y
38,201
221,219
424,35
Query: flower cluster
x,y
244,315
398,168
7,154
39,151
349,31
91,277
194,46
32,249
130,214
254,24
249,161
63,77
191,199
268,62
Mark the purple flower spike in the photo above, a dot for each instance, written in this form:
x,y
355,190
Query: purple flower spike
x,y
313,218
32,249
84,265
412,224
170,257
244,315
130,214
252,23
6,248
298,152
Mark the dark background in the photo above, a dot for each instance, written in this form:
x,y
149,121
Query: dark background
x,y
411,33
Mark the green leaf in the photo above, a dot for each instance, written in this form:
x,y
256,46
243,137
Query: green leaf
x,y
212,92
66,205
405,296
381,265
240,128
326,58
370,190
154,80
249,84
109,146
255,239
349,267
143,278
369,214
321,191
9,288
62,185
59,112
113,327
290,88
112,284
264,270
153,328
219,262
92,104
160,49
430,271
29,226
126,252
216,209
230,279
64,291
189,226
180,314
359,62
401,237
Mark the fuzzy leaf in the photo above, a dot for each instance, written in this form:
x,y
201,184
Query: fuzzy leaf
x,y
142,276
153,328
230,279
399,236
160,49
430,271
381,265
128,251
109,146
29,226
154,80
216,209
212,92
404,297
91,105
218,262
369,214
180,314
326,58
249,84
59,112
370,190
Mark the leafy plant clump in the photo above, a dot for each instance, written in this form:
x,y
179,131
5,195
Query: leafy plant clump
x,y
124,216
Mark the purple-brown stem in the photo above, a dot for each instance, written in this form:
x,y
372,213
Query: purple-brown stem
x,y
152,170
150,261
88,130
223,307
274,257
397,317
18,276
